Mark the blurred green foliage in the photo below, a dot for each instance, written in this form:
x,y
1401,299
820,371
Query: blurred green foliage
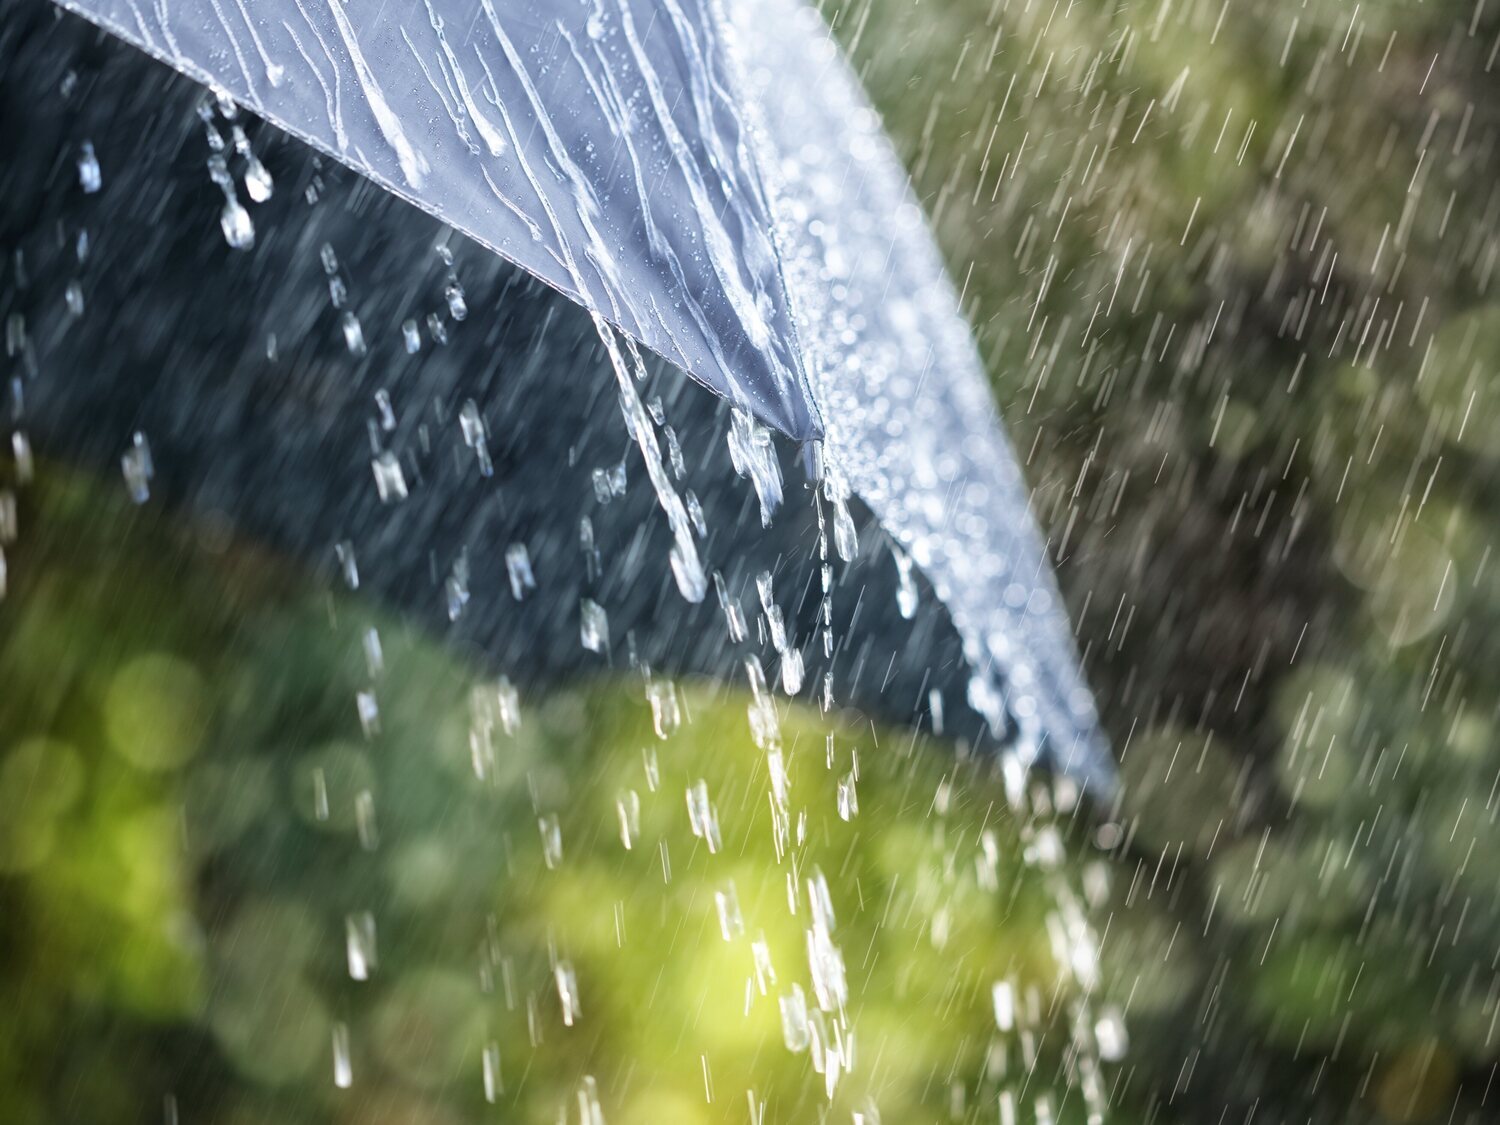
x,y
1232,269
206,844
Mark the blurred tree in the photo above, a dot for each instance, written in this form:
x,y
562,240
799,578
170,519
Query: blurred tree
x,y
1233,271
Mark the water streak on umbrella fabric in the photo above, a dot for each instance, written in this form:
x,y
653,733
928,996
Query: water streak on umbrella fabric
x,y
637,197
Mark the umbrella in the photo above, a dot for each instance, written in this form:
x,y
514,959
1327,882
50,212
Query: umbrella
x,y
712,184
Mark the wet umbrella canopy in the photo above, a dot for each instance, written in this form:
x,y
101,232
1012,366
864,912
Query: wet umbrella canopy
x,y
650,161
426,648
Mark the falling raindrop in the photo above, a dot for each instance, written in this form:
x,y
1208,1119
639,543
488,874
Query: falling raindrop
x,y
476,436
552,846
390,479
567,992
666,712
906,585
369,712
593,625
235,222
90,178
137,466
453,293
354,334
20,446
518,570
628,809
359,944
795,1032
343,1067
258,183
703,817
727,903
848,798
494,1085
364,819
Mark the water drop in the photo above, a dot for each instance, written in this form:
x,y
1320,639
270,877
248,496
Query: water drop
x,y
453,292
138,469
567,992
343,1069
593,625
354,335
727,903
235,222
794,1029
494,1086
258,182
359,944
552,846
390,478
666,712
906,585
518,569
628,809
90,178
703,817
